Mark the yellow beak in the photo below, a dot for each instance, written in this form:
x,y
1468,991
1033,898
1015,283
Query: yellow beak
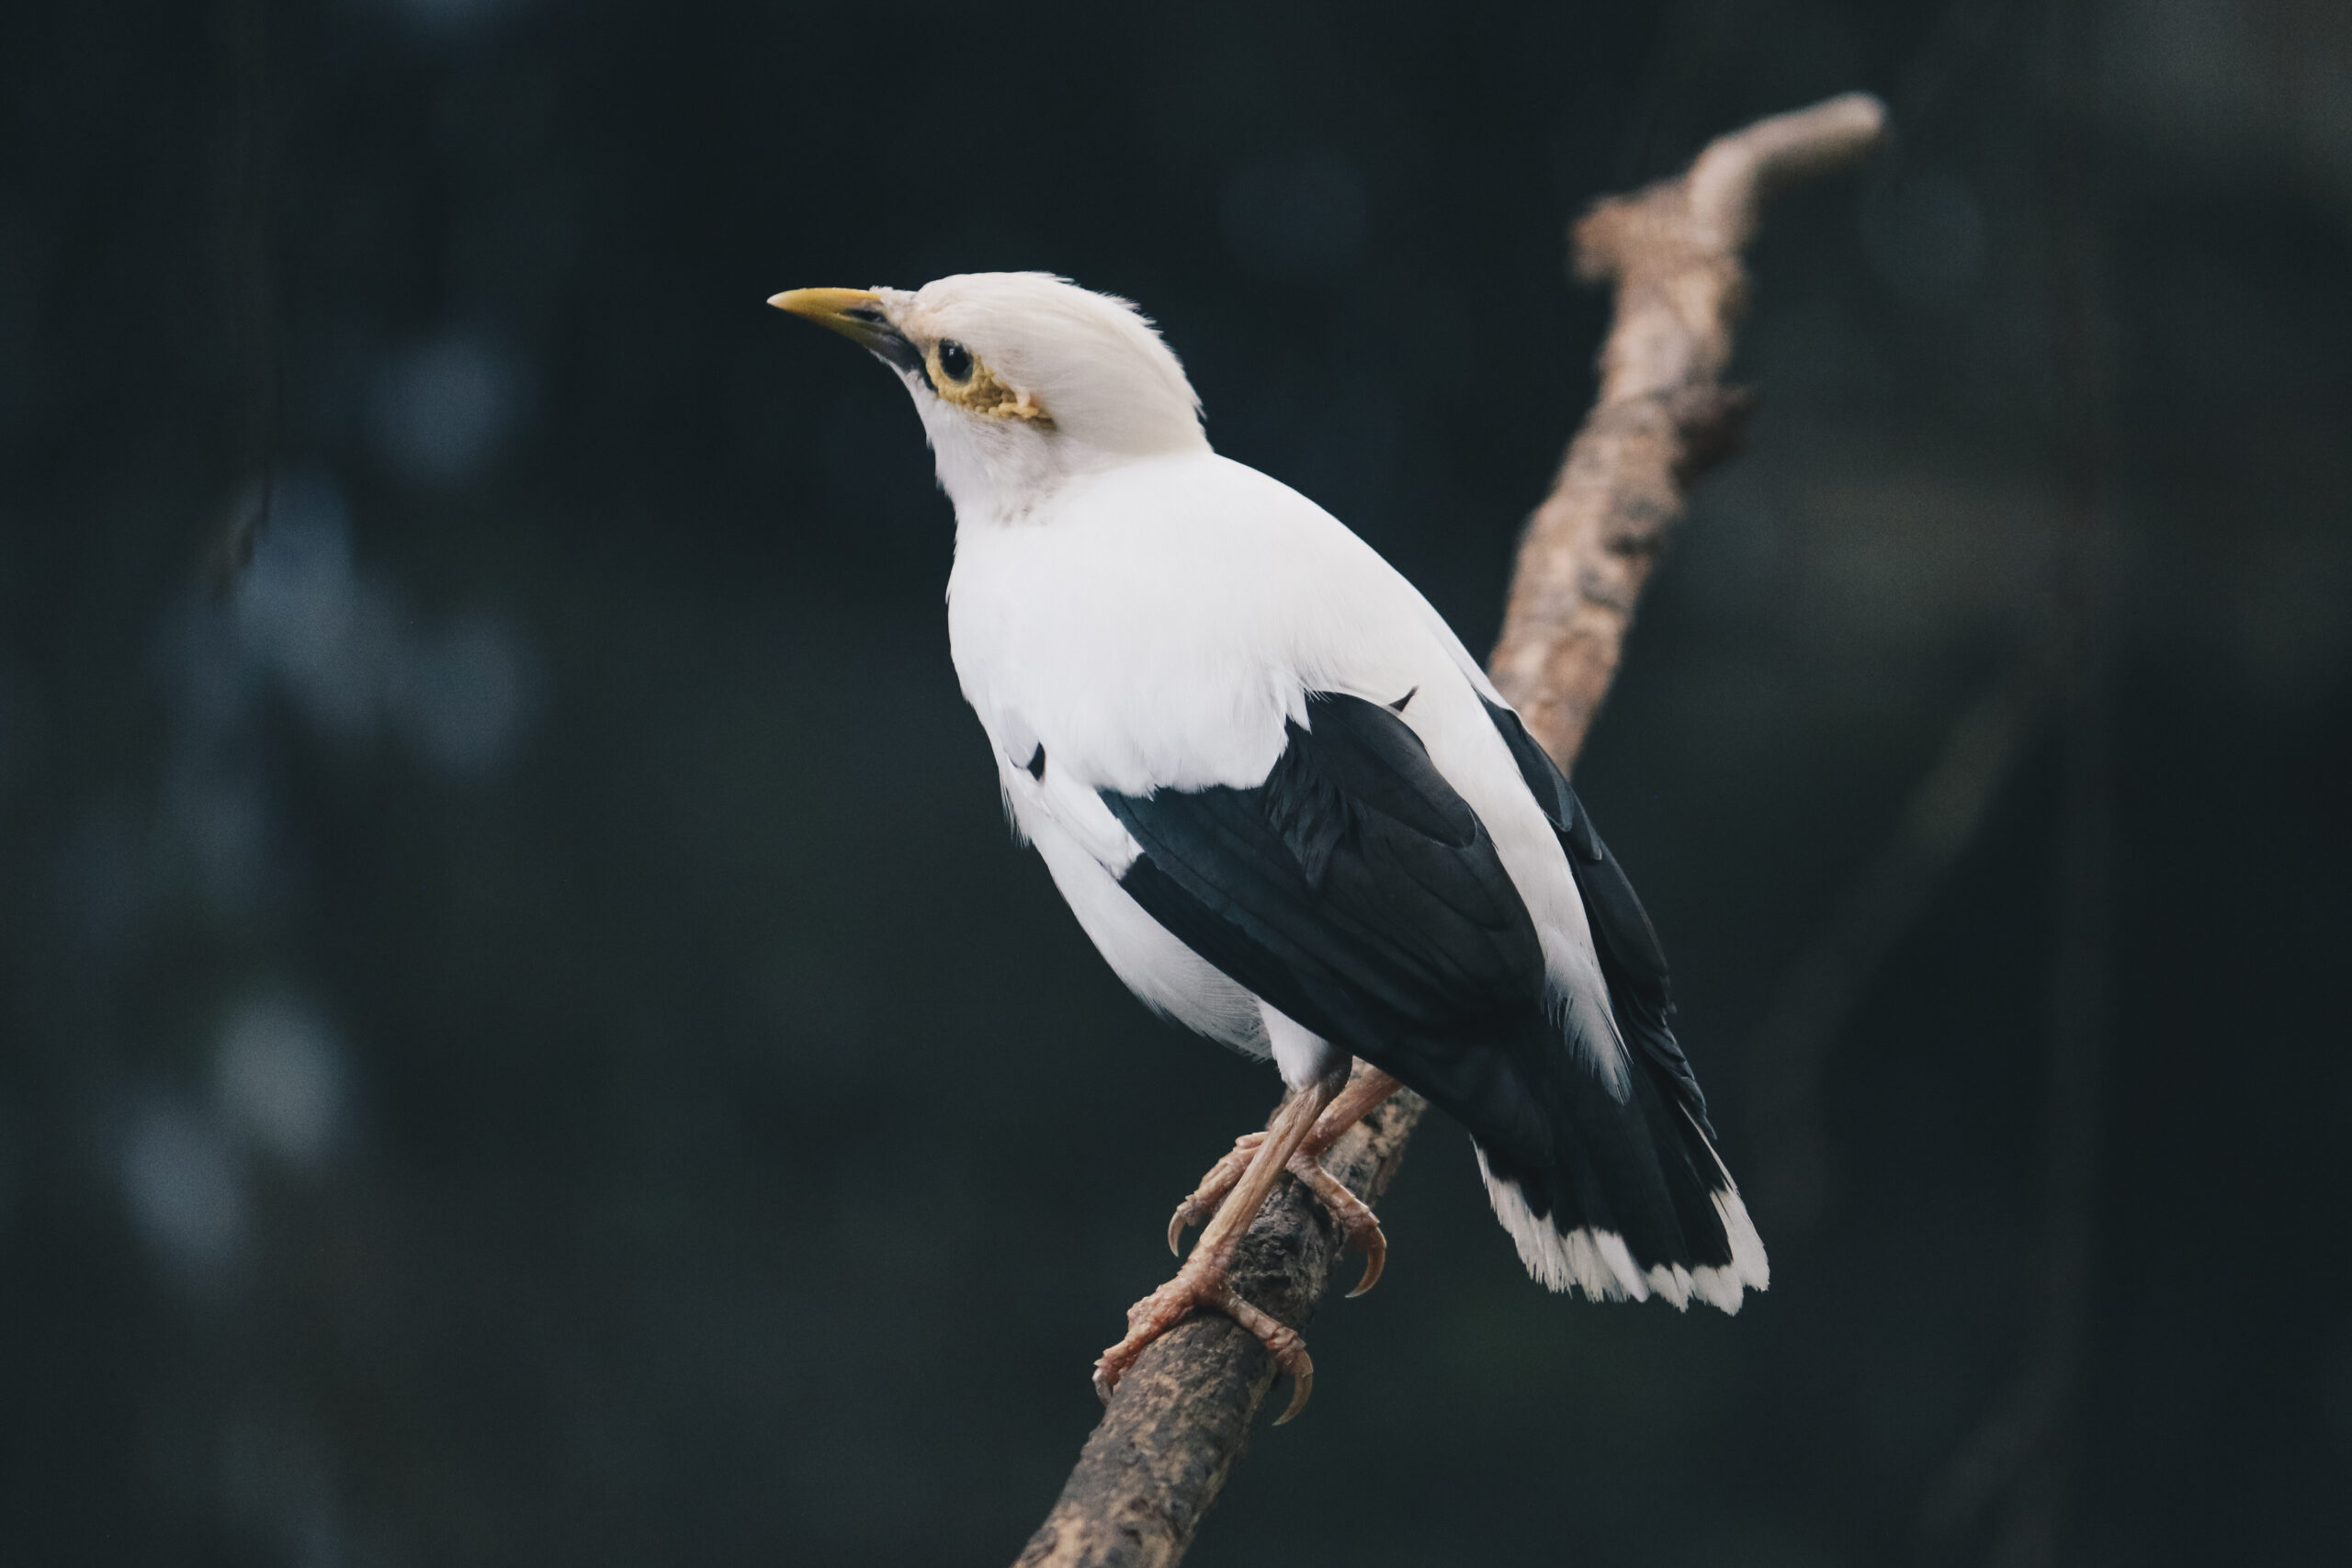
x,y
853,312
856,314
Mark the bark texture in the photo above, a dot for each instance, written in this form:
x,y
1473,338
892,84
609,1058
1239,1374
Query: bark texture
x,y
1181,1418
1664,414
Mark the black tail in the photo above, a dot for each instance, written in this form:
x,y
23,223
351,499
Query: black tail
x,y
1628,1200
1626,1195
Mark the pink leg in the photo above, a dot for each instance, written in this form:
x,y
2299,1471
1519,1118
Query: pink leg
x,y
1203,1281
1366,1093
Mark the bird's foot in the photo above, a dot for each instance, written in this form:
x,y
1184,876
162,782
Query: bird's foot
x,y
1233,1193
1359,1227
1209,1196
1199,1285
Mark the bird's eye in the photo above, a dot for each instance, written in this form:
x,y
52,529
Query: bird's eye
x,y
955,360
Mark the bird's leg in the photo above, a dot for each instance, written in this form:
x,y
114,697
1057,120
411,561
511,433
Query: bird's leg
x,y
1201,1205
1366,1093
1203,1281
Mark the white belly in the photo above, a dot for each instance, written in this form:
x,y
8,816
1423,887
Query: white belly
x,y
1169,977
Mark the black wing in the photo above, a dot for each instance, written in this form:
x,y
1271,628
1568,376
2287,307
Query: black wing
x,y
1632,960
1356,891
1353,889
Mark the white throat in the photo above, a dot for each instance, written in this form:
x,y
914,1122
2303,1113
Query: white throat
x,y
1000,471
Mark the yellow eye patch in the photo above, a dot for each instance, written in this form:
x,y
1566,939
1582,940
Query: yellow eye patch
x,y
959,377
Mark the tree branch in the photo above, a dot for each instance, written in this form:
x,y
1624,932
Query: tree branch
x,y
1664,415
1182,1417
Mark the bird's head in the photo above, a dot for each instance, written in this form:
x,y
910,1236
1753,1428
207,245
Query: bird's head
x,y
1022,379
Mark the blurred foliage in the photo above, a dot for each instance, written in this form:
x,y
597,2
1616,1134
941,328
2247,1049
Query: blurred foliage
x,y
522,1038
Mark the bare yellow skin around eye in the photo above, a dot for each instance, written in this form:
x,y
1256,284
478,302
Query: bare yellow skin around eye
x,y
982,393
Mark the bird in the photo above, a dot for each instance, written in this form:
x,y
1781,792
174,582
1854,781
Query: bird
x,y
1293,813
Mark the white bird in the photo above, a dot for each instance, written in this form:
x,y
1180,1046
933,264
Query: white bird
x,y
1291,811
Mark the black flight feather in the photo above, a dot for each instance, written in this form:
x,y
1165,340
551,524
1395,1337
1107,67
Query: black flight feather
x,y
1632,958
1355,890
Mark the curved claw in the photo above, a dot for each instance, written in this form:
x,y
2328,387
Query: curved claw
x,y
1359,1226
1281,1341
1302,1387
1207,1198
1375,1260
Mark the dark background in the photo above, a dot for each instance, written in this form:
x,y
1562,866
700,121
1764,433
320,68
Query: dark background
x,y
523,1038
